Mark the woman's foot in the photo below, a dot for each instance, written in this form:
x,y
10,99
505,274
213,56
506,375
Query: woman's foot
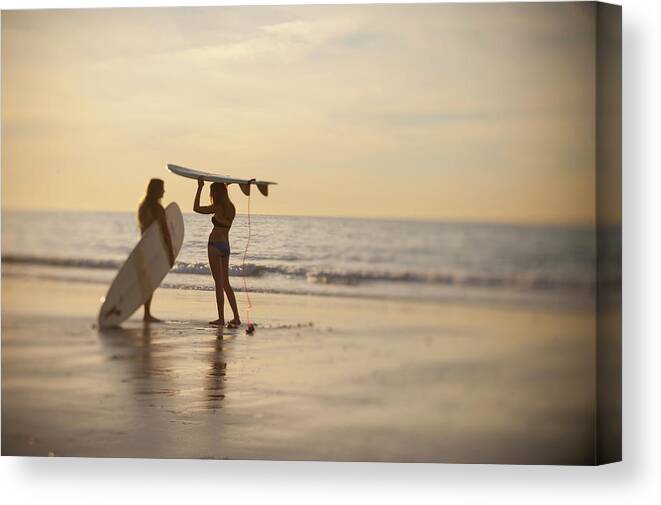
x,y
151,319
217,322
234,323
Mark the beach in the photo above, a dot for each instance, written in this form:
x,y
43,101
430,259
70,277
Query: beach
x,y
432,268
322,378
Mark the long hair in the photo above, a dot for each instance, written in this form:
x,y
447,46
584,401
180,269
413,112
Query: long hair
x,y
219,196
149,201
153,192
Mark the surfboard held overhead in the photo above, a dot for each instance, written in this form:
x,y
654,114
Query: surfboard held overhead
x,y
244,184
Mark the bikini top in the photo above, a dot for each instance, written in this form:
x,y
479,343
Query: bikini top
x,y
218,224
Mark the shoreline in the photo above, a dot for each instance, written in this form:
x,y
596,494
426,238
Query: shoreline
x,y
531,300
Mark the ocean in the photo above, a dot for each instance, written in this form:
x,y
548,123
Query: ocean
x,y
442,261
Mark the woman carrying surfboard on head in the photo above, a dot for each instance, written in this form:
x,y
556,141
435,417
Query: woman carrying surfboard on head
x,y
218,248
151,210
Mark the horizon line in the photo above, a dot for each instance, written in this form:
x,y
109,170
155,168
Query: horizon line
x,y
568,224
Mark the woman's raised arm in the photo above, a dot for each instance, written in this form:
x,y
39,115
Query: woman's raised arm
x,y
201,209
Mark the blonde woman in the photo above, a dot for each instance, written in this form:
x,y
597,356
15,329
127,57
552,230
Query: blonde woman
x,y
218,248
151,210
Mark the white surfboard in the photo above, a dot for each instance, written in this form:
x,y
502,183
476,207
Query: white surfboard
x,y
143,270
244,184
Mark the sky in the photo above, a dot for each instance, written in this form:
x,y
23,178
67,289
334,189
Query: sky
x,y
443,112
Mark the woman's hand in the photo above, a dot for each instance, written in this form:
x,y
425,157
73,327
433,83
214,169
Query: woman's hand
x,y
200,182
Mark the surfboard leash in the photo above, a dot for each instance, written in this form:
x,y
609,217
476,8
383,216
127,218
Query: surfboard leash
x,y
251,327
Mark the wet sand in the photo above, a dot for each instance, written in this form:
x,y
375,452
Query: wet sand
x,y
322,379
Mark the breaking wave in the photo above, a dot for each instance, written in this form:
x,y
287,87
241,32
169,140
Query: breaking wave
x,y
315,275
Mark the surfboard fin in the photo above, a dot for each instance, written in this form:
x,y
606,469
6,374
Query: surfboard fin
x,y
263,189
245,188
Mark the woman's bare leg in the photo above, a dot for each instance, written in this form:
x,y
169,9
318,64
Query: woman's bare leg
x,y
215,262
148,318
229,291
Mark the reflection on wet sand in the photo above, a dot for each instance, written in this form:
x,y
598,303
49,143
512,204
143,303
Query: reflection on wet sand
x,y
168,367
215,383
133,346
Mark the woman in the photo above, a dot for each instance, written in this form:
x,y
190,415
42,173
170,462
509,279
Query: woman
x,y
151,210
218,248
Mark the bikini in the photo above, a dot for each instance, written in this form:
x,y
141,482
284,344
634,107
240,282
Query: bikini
x,y
224,246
